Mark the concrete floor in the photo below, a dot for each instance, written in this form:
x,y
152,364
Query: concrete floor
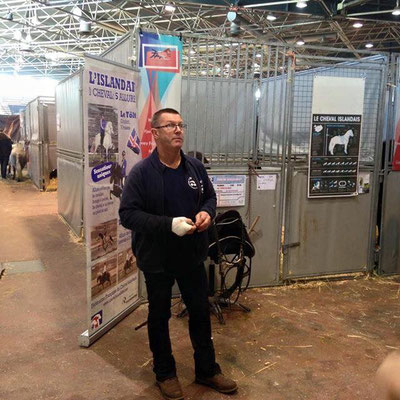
x,y
314,341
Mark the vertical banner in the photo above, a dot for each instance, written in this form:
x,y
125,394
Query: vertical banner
x,y
111,149
337,110
160,58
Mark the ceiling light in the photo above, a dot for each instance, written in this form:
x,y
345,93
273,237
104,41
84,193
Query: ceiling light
x,y
271,17
301,4
192,51
258,55
300,42
231,16
234,29
35,20
357,25
396,10
9,16
51,56
25,47
17,35
369,45
85,27
77,12
169,8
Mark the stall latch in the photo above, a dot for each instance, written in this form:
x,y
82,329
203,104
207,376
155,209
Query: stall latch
x,y
289,245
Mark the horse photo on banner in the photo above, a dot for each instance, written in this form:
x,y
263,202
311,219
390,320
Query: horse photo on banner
x,y
160,59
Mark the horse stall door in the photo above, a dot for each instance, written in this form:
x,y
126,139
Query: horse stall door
x,y
390,242
35,145
327,235
49,155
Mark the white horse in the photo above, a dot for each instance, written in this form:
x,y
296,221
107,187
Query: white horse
x,y
342,140
107,142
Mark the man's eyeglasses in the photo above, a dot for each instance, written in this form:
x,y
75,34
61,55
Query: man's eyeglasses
x,y
172,127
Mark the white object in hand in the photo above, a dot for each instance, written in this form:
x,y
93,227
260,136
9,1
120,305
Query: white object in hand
x,y
180,227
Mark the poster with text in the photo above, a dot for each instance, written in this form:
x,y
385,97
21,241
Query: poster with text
x,y
230,189
111,149
335,137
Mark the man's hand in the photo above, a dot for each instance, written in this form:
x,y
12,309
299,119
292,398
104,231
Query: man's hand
x,y
182,226
203,221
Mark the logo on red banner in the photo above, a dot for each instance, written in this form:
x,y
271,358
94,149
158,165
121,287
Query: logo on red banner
x,y
396,152
161,57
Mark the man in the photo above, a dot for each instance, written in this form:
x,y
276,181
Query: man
x,y
103,124
168,203
5,151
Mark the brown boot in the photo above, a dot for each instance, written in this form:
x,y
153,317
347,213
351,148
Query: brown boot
x,y
171,389
219,382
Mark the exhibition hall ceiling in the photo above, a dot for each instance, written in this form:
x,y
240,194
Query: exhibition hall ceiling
x,y
49,37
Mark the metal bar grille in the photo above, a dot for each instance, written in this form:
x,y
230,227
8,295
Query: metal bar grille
x,y
303,102
230,126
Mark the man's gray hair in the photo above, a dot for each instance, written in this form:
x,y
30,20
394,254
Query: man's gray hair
x,y
155,119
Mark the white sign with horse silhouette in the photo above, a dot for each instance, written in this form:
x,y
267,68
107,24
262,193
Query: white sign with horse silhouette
x,y
110,125
335,136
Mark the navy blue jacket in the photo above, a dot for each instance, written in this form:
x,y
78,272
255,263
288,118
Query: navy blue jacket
x,y
142,211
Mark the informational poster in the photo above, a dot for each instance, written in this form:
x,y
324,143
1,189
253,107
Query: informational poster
x,y
111,149
266,182
230,189
335,137
160,59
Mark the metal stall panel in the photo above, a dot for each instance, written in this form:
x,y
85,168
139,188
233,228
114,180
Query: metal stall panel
x,y
36,143
50,140
70,152
220,122
22,117
27,123
326,236
373,74
332,236
41,121
70,191
122,51
389,259
272,121
220,103
390,242
69,115
266,236
218,98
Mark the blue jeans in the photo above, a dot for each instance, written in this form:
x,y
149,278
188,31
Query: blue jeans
x,y
193,287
